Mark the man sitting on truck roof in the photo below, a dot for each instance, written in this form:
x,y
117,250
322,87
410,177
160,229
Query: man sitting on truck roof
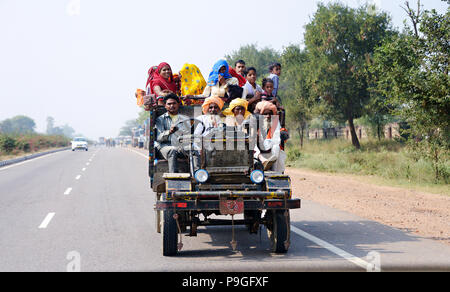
x,y
167,126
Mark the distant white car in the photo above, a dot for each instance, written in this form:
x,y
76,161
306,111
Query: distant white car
x,y
79,143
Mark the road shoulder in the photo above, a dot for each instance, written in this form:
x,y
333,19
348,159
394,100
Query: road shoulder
x,y
423,214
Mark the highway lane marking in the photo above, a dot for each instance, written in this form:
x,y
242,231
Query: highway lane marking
x,y
145,156
68,191
349,257
26,161
87,164
46,221
84,169
78,177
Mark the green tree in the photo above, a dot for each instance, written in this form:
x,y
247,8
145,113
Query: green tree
x,y
297,102
414,74
254,57
340,41
6,126
143,116
18,125
50,125
126,129
68,131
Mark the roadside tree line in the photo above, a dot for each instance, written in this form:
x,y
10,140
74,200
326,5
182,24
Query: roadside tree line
x,y
354,64
18,135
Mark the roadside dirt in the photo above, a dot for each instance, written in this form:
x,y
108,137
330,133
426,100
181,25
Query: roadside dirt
x,y
423,214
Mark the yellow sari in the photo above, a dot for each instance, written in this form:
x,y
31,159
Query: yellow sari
x,y
192,81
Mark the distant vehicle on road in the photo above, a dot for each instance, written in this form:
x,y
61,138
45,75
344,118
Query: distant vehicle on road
x,y
79,143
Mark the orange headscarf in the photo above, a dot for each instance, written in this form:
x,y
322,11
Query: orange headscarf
x,y
261,107
264,105
214,99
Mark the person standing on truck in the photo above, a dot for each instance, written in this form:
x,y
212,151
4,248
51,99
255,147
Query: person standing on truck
x,y
252,91
167,126
240,67
275,73
239,72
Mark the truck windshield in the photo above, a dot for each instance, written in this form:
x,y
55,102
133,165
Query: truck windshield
x,y
79,140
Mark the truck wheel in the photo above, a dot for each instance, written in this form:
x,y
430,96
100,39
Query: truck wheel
x,y
170,232
279,231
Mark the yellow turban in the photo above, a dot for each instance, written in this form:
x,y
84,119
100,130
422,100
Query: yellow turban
x,y
214,99
237,102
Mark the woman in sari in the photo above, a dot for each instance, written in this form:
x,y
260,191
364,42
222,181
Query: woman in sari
x,y
161,81
219,80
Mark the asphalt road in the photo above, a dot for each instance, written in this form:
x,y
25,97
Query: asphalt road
x,y
93,211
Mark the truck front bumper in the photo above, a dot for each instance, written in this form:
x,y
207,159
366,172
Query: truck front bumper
x,y
212,205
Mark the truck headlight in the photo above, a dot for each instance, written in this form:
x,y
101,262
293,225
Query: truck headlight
x,y
257,176
201,175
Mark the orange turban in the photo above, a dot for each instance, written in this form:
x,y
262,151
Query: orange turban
x,y
214,99
264,105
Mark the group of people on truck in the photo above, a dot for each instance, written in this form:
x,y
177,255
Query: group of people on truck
x,y
236,87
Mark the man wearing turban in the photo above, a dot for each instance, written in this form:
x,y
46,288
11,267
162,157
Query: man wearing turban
x,y
237,112
211,119
268,150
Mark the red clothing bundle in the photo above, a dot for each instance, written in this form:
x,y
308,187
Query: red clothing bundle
x,y
239,77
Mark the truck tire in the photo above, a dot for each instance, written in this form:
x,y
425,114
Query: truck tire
x,y
170,232
280,229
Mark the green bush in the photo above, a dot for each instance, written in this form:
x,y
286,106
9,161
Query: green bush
x,y
15,144
7,143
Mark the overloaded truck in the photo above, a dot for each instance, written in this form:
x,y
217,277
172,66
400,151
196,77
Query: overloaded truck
x,y
229,182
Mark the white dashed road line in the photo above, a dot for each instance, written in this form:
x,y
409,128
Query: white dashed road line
x,y
68,191
78,177
46,221
84,169
145,156
349,257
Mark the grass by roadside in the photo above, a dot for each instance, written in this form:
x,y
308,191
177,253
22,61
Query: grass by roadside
x,y
384,162
22,153
15,146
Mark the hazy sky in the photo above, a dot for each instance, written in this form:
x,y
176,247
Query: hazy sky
x,y
80,61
